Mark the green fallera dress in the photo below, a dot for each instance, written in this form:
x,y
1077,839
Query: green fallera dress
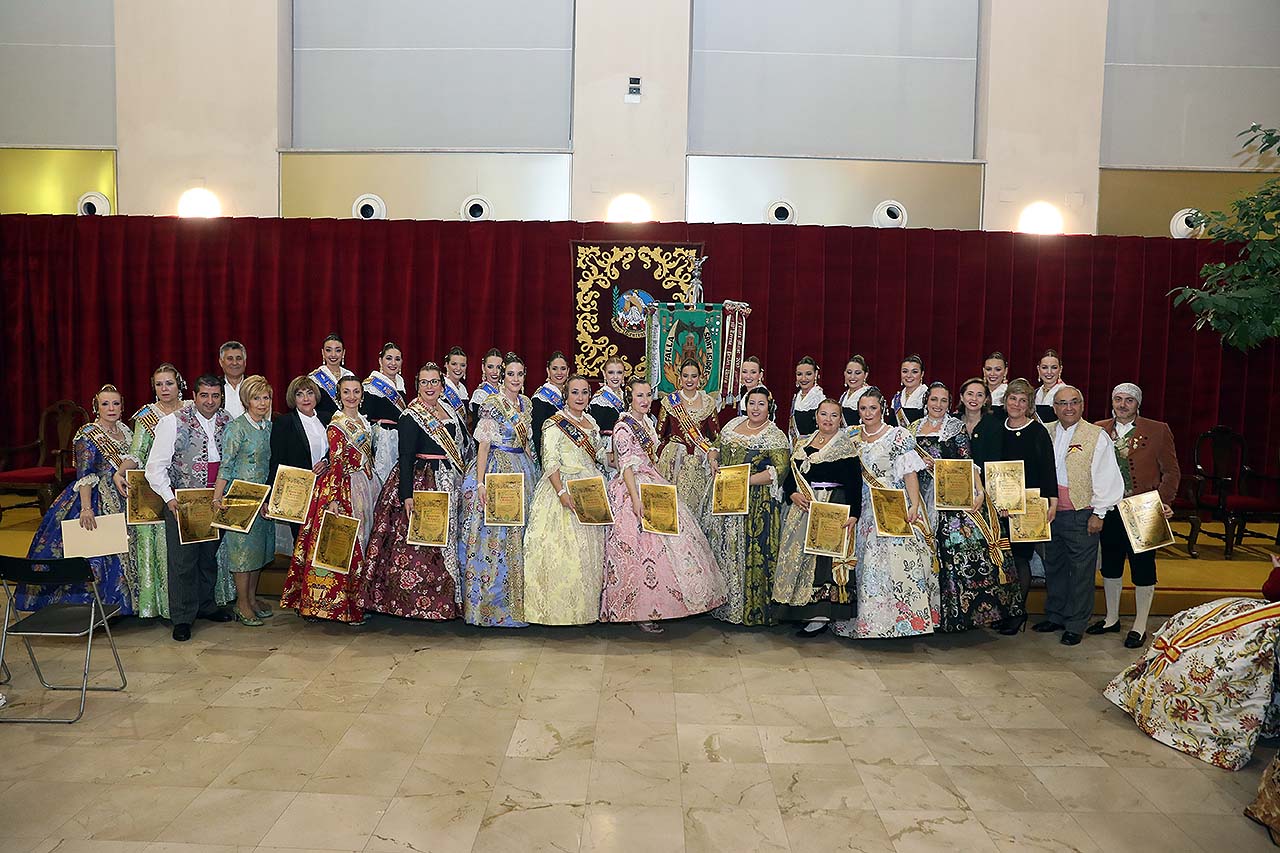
x,y
246,455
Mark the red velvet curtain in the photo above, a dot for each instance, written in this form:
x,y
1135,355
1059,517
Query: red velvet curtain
x,y
88,300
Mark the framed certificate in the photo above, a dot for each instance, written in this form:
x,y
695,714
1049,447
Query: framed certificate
x,y
1032,525
504,500
953,483
1007,485
291,494
429,523
730,490
141,505
889,506
336,542
240,506
1144,521
195,516
659,512
109,538
825,534
590,501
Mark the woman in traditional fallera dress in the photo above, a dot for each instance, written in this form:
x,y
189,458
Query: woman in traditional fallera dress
x,y
804,405
346,487
416,581
856,375
246,455
908,404
823,467
649,577
490,381
976,576
608,402
897,583
746,546
492,558
563,558
549,399
333,352
686,427
995,378
148,551
1049,369
384,400
100,447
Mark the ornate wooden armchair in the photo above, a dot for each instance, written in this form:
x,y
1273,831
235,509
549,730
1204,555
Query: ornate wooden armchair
x,y
52,454
1227,487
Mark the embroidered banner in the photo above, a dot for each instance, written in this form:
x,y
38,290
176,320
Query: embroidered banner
x,y
613,285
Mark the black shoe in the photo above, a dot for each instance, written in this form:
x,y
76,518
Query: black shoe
x,y
1047,626
1135,640
1070,638
219,615
182,632
806,633
1013,625
1101,627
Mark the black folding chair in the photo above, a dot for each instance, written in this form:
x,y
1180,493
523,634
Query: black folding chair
x,y
56,620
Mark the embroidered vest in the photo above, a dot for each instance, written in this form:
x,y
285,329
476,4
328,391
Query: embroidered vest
x,y
190,466
1080,462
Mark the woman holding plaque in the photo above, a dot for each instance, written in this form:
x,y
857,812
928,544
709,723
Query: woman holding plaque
x,y
897,586
148,548
824,467
746,546
563,558
549,399
384,400
100,447
855,385
686,427
246,455
1020,436
346,487
1049,368
492,557
972,567
333,353
908,403
650,577
804,406
400,579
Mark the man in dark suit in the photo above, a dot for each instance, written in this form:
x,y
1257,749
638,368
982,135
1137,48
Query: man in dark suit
x,y
1145,451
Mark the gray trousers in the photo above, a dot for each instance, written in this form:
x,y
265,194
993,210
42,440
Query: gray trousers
x,y
1070,564
193,572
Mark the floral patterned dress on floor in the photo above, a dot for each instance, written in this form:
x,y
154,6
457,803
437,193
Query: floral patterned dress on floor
x,y
686,429
897,586
975,590
148,554
347,480
563,558
492,558
415,581
98,457
746,546
648,576
246,455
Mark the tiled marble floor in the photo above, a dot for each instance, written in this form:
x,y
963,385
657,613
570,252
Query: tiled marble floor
x,y
418,737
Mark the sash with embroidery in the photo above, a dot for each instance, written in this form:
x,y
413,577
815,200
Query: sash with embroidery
x,y
488,388
147,417
325,380
898,412
111,449
358,436
385,390
611,398
920,525
685,421
577,435
511,415
548,394
644,436
438,432
452,397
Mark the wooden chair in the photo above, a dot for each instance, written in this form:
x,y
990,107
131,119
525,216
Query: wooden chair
x,y
1227,487
1185,509
53,455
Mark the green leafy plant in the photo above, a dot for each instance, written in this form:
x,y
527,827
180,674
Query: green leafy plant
x,y
1241,299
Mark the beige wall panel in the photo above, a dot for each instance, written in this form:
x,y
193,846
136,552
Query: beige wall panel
x,y
1142,201
51,180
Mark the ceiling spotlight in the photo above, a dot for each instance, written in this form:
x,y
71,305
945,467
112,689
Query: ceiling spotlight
x,y
476,208
780,213
889,214
369,206
1186,224
93,204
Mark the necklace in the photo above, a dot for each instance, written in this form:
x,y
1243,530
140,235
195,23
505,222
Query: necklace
x,y
750,430
112,430
580,420
687,398
872,436
937,424
820,440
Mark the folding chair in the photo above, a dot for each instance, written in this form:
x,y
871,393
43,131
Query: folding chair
x,y
56,620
